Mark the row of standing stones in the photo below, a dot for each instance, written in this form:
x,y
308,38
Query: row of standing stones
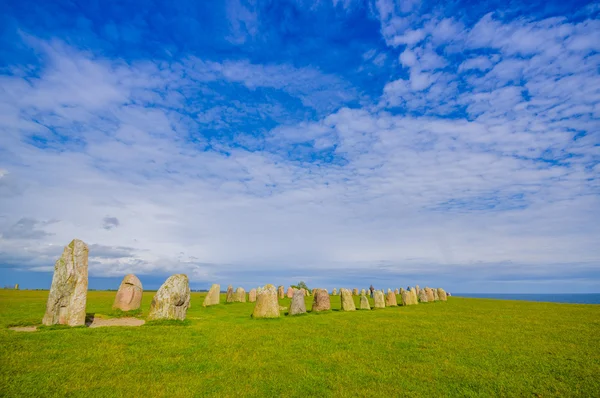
x,y
68,294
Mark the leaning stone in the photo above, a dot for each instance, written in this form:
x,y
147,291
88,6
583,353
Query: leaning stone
x,y
252,296
280,292
364,303
347,300
423,296
230,296
172,300
334,292
68,293
290,292
213,297
129,295
267,305
298,306
390,300
442,294
240,295
378,298
321,302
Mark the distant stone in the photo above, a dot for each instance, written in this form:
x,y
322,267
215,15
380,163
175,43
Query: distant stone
x,y
423,296
363,292
334,292
172,300
390,300
364,303
280,292
396,291
408,298
290,292
413,293
68,293
430,296
347,300
321,301
16,286
436,297
355,292
305,291
418,289
213,297
267,305
230,296
240,295
129,295
379,299
298,306
252,296
442,294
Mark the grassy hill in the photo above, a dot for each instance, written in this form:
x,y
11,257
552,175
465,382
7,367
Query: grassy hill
x,y
463,347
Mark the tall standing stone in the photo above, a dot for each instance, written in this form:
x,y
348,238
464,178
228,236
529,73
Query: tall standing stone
x,y
334,292
252,296
430,296
213,297
364,303
16,286
267,305
230,296
298,306
418,289
68,293
321,301
413,293
172,300
290,292
390,300
378,299
129,295
442,294
240,295
347,300
423,296
409,297
280,292
435,294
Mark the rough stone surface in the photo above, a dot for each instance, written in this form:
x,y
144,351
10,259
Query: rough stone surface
x,y
230,296
409,298
129,295
290,292
240,295
304,291
418,289
68,293
172,300
355,292
347,300
266,305
213,297
378,298
430,296
413,292
363,292
252,296
364,303
321,301
390,299
423,296
441,294
435,294
334,292
396,291
298,306
280,292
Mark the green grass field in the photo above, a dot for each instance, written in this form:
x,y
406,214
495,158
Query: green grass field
x,y
463,347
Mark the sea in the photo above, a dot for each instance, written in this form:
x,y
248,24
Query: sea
x,y
583,298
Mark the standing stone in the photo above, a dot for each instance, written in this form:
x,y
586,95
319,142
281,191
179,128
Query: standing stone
x,y
240,295
266,305
423,296
378,298
397,292
409,298
16,286
230,298
413,292
172,300
334,292
68,293
213,297
321,302
347,300
435,294
364,303
390,300
252,296
363,292
355,292
442,294
305,292
298,306
290,292
430,296
280,292
418,289
129,295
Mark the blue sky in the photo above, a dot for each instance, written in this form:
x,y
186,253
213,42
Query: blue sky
x,y
342,143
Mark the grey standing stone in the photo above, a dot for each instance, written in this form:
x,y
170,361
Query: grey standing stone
x,y
298,306
364,303
334,292
252,296
347,302
230,295
423,296
267,305
379,299
172,300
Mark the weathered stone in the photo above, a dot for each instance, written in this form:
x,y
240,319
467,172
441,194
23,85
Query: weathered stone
x,y
390,300
240,295
347,300
267,305
230,295
364,303
430,296
213,297
409,298
363,292
16,286
435,294
298,306
321,302
413,292
290,292
172,300
304,291
418,289
252,296
441,294
379,299
423,296
397,292
129,295
334,292
355,292
68,293
280,292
